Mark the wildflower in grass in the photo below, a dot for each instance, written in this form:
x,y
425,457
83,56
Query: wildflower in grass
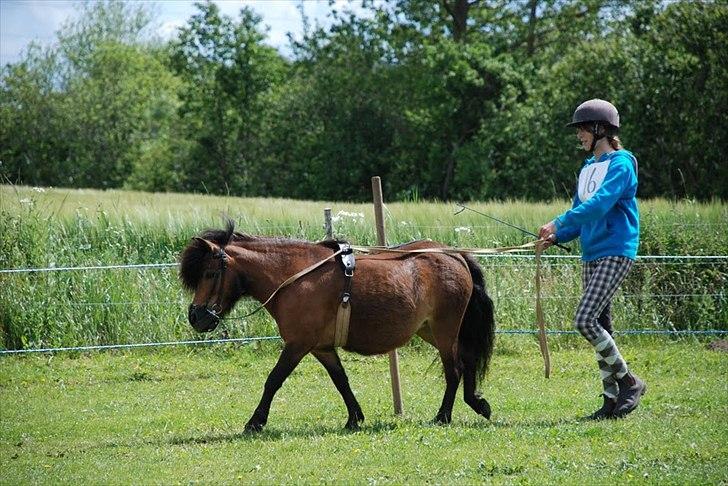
x,y
464,230
344,216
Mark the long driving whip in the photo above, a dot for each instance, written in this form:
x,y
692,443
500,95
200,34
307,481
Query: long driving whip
x,y
463,208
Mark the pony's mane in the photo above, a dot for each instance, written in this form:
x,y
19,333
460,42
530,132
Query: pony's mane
x,y
332,244
193,258
277,241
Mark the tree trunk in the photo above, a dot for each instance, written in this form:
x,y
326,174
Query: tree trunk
x,y
449,173
458,10
531,40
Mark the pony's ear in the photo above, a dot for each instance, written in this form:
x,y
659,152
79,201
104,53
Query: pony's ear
x,y
208,244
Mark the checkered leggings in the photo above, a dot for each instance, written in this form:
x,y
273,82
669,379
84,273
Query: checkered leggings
x,y
600,279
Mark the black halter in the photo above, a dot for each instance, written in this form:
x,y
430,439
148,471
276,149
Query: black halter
x,y
206,312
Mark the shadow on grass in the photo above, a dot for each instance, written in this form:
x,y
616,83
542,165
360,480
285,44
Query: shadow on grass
x,y
538,423
374,428
274,434
267,434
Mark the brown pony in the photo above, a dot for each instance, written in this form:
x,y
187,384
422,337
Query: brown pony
x,y
440,297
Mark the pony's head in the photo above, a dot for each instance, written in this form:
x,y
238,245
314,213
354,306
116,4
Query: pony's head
x,y
205,271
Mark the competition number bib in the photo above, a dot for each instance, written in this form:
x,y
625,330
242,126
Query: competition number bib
x,y
591,178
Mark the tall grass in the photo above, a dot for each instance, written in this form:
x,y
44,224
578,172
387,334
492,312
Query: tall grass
x,y
54,227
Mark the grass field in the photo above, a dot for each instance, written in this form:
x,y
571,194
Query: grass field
x,y
176,417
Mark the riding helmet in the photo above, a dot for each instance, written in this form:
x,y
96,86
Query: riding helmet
x,y
595,110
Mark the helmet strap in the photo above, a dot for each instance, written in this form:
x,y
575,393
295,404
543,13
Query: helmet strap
x,y
598,132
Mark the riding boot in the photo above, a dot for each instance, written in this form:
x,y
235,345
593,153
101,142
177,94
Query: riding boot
x,y
631,389
606,411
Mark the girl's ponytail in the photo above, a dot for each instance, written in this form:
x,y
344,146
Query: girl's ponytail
x,y
615,142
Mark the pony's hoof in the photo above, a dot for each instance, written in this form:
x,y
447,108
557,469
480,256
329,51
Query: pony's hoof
x,y
442,419
480,405
354,421
483,408
253,427
352,426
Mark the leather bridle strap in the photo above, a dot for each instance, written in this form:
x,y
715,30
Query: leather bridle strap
x,y
343,313
218,280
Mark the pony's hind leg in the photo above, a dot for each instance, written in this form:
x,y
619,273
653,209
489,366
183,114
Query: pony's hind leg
x,y
287,362
470,394
475,340
452,374
332,363
444,415
452,381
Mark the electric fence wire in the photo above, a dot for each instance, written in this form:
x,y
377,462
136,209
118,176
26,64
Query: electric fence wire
x,y
248,340
644,259
647,260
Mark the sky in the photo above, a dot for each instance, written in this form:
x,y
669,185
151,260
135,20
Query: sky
x,y
24,21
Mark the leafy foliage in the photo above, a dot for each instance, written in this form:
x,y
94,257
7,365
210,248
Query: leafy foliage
x,y
457,99
89,113
225,70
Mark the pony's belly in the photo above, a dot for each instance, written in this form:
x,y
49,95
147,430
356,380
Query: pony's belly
x,y
379,337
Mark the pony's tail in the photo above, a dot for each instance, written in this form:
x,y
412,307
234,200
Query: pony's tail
x,y
477,331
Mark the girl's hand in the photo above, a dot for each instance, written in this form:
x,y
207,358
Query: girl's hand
x,y
545,231
548,242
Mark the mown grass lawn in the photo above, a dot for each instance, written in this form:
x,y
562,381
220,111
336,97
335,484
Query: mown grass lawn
x,y
177,416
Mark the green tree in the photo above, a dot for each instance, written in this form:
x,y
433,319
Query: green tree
x,y
99,23
380,96
464,79
33,124
94,110
333,124
123,108
226,70
679,111
663,66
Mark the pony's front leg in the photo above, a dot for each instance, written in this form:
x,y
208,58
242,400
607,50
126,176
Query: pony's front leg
x,y
287,362
332,363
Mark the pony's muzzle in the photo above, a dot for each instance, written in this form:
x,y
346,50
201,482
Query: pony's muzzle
x,y
202,319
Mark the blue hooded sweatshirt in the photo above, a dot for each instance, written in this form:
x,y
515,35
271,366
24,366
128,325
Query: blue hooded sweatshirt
x,y
604,213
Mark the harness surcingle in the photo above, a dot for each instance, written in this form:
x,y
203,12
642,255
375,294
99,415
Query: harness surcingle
x,y
343,315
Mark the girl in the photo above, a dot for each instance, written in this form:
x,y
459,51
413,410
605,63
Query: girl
x,y
605,217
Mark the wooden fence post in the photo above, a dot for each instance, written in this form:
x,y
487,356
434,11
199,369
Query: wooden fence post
x,y
327,224
382,241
